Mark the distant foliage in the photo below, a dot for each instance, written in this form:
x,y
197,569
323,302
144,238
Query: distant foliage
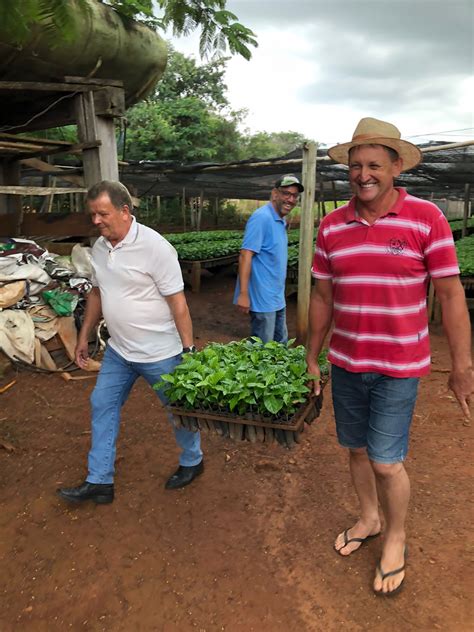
x,y
270,144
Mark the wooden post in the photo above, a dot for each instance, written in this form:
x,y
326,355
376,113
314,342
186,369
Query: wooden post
x,y
100,163
158,209
79,205
467,195
306,240
50,198
200,204
9,204
196,276
183,209
321,196
192,209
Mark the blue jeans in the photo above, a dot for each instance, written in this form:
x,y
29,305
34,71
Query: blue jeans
x,y
114,382
269,325
374,411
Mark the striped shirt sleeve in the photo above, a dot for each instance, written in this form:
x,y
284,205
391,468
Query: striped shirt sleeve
x,y
440,252
321,268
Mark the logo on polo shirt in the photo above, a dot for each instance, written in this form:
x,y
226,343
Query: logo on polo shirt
x,y
396,246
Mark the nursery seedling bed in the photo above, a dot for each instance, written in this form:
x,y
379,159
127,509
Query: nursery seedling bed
x,y
253,430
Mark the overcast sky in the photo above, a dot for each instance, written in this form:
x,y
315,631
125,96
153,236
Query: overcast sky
x,y
321,65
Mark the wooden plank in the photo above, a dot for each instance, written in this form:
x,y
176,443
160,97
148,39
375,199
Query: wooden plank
x,y
196,277
33,139
86,128
25,190
110,102
63,174
17,146
464,143
108,156
11,177
306,240
72,149
92,81
44,86
101,164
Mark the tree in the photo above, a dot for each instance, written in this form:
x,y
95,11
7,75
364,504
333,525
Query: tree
x,y
219,28
183,77
271,144
188,119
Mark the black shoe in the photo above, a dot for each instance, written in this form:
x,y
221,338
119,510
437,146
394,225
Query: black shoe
x,y
100,494
184,475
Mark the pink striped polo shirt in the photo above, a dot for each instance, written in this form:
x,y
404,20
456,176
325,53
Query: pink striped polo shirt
x,y
380,274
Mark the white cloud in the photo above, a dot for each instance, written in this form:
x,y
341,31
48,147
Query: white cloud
x,y
321,65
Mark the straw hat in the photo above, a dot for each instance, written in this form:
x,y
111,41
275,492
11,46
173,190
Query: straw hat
x,y
371,131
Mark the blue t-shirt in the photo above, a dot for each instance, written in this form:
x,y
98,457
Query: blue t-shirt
x,y
266,236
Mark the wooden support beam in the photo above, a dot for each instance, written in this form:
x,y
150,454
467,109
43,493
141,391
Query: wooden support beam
x,y
196,277
71,149
183,208
43,86
63,174
91,81
100,163
32,140
306,240
110,102
10,176
26,190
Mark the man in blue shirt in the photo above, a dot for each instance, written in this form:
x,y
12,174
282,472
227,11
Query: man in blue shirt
x,y
260,289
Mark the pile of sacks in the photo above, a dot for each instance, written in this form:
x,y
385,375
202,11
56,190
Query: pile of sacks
x,y
39,295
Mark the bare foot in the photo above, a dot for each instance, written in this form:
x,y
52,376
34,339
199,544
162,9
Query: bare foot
x,y
392,561
360,531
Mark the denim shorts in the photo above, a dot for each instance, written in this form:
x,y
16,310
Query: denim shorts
x,y
374,411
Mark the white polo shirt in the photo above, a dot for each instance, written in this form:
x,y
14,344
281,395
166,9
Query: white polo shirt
x,y
133,278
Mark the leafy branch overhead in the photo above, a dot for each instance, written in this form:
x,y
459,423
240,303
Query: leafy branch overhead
x,y
220,29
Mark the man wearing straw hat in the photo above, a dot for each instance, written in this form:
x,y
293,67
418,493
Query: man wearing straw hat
x,y
372,263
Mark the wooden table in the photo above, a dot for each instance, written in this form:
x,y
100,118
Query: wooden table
x,y
192,269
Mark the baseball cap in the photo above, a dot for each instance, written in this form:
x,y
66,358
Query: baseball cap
x,y
289,181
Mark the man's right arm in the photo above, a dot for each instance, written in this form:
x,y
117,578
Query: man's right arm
x,y
245,269
320,318
91,318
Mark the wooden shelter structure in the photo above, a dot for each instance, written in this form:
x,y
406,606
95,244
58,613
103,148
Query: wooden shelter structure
x,y
92,104
88,80
447,171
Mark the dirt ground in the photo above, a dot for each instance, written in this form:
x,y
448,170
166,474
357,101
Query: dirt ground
x,y
248,546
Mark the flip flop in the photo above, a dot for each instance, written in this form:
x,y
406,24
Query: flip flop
x,y
395,591
348,540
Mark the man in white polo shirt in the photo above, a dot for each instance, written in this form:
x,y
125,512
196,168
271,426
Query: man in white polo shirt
x,y
138,288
